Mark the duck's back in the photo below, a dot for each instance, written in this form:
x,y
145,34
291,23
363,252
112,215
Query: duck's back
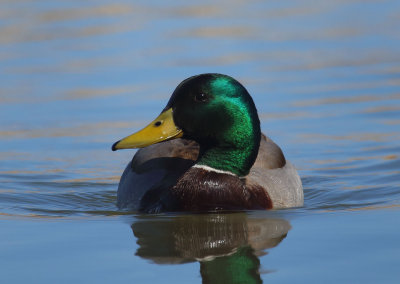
x,y
277,175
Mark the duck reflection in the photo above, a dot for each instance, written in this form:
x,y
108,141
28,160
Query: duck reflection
x,y
226,245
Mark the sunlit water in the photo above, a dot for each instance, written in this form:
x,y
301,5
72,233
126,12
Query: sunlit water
x,y
77,76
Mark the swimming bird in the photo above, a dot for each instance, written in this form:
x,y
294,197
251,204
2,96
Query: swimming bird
x,y
206,152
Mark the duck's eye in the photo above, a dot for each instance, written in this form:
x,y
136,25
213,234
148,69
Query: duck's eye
x,y
201,98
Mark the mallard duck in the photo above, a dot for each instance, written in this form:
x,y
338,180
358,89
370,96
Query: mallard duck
x,y
206,152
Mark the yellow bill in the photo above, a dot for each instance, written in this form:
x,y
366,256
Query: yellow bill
x,y
161,129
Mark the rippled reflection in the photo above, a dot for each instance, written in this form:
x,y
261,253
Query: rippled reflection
x,y
227,246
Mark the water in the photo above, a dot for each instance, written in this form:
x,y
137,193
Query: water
x,y
77,76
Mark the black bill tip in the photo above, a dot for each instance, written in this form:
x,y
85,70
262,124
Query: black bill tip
x,y
113,147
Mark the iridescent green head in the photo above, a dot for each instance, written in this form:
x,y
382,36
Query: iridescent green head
x,y
217,111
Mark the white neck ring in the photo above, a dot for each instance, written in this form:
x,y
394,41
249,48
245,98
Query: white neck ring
x,y
210,169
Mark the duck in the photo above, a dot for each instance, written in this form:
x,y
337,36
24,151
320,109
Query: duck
x,y
205,152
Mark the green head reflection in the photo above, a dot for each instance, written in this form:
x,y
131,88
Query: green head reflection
x,y
240,267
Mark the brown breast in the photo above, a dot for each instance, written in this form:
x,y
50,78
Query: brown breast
x,y
202,190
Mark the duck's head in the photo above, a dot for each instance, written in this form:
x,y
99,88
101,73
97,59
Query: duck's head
x,y
216,111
